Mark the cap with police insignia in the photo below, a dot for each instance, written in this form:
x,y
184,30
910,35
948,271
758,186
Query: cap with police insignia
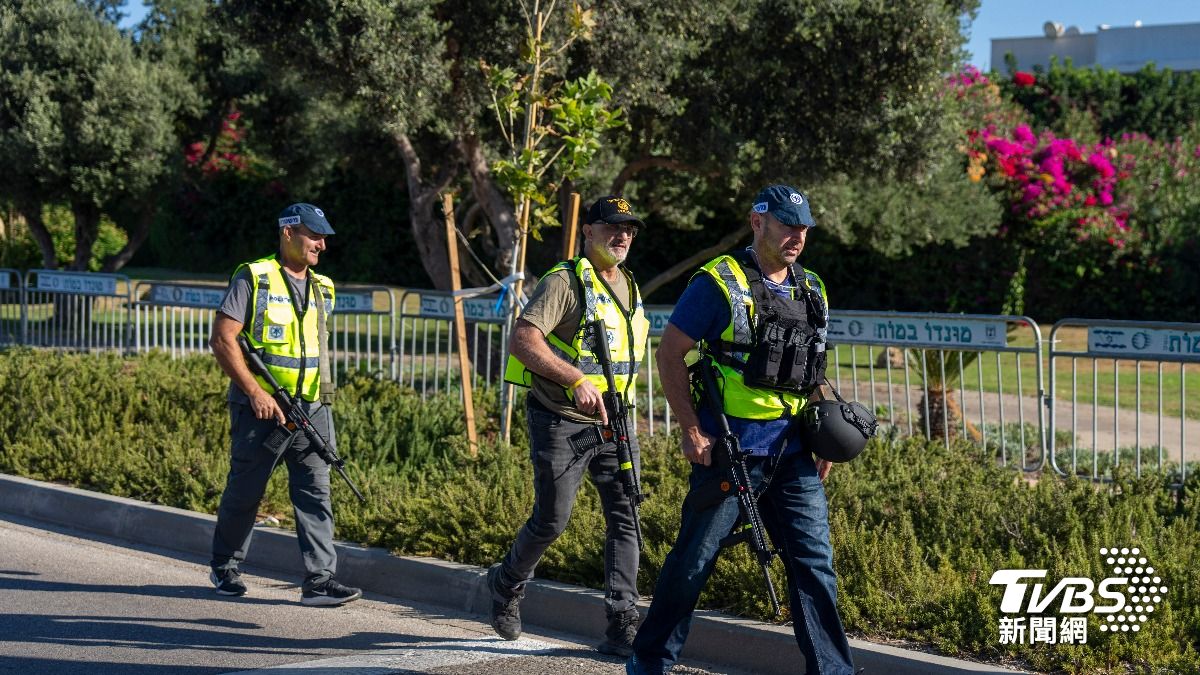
x,y
786,203
612,209
306,215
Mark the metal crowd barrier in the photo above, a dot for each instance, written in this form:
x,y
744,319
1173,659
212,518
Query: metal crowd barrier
x,y
176,318
944,376
649,403
1122,359
76,310
1119,397
12,308
427,349
363,333
896,364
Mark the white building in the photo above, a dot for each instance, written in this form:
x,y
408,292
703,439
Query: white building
x,y
1125,49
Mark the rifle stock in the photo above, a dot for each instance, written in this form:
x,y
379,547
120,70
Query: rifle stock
x,y
752,530
618,424
297,419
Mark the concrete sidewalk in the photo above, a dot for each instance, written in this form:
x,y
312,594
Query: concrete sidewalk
x,y
715,638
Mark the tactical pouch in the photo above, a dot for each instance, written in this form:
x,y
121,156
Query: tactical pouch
x,y
585,440
279,440
783,354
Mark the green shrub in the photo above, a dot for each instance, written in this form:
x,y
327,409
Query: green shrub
x,y
917,529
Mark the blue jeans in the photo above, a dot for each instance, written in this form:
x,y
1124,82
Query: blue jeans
x,y
796,515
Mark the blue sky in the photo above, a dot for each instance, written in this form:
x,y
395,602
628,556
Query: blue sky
x,y
1019,18
1024,18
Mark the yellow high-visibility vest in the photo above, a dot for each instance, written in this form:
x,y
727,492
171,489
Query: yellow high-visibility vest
x,y
740,399
290,345
627,333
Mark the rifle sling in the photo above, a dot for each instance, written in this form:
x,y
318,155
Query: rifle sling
x,y
325,372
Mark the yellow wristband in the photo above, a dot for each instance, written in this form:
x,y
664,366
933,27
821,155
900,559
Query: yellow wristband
x,y
578,382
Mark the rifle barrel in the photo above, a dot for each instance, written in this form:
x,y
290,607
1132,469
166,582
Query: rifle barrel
x,y
740,477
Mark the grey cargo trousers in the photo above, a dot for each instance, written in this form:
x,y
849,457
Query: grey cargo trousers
x,y
251,466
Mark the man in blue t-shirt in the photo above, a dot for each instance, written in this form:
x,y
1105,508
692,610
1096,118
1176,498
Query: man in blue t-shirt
x,y
787,477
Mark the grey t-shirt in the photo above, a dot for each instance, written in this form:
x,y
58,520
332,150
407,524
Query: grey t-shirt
x,y
554,307
237,305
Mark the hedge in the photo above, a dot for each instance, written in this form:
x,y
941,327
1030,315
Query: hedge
x,y
918,529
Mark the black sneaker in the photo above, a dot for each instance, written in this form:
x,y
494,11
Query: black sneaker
x,y
618,638
227,581
506,608
329,594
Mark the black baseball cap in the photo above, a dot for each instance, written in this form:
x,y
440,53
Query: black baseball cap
x,y
786,203
307,215
612,209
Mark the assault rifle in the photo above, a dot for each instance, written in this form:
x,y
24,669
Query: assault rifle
x,y
618,424
298,421
749,527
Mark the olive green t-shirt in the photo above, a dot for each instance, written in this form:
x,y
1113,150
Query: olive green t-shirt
x,y
556,307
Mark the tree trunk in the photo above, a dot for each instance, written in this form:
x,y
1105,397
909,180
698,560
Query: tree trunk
x,y
496,206
428,230
945,416
137,237
37,227
87,229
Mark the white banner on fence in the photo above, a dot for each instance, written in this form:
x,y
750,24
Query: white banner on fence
x,y
175,295
945,332
354,302
1141,343
6,280
475,309
86,284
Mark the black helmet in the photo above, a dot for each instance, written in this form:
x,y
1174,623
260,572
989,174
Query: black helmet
x,y
836,431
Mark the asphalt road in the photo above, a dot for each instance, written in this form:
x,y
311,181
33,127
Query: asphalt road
x,y
87,606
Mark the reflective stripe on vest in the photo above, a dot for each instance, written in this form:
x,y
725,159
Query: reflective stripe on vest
x,y
626,336
741,400
289,345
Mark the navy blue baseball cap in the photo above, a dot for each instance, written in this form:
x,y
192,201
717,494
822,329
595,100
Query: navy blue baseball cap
x,y
786,203
306,215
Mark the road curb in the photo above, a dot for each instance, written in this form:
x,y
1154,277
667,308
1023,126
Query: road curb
x,y
715,638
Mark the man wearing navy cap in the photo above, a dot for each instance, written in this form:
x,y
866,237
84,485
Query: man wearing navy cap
x,y
283,309
553,355
746,310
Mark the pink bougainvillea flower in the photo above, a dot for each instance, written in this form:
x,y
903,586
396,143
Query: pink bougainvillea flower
x,y
1024,135
1101,164
1003,146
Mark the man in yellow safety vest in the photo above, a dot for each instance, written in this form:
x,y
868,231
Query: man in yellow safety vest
x,y
553,355
282,308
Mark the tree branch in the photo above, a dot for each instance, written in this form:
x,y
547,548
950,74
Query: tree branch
x,y
688,264
651,161
427,231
